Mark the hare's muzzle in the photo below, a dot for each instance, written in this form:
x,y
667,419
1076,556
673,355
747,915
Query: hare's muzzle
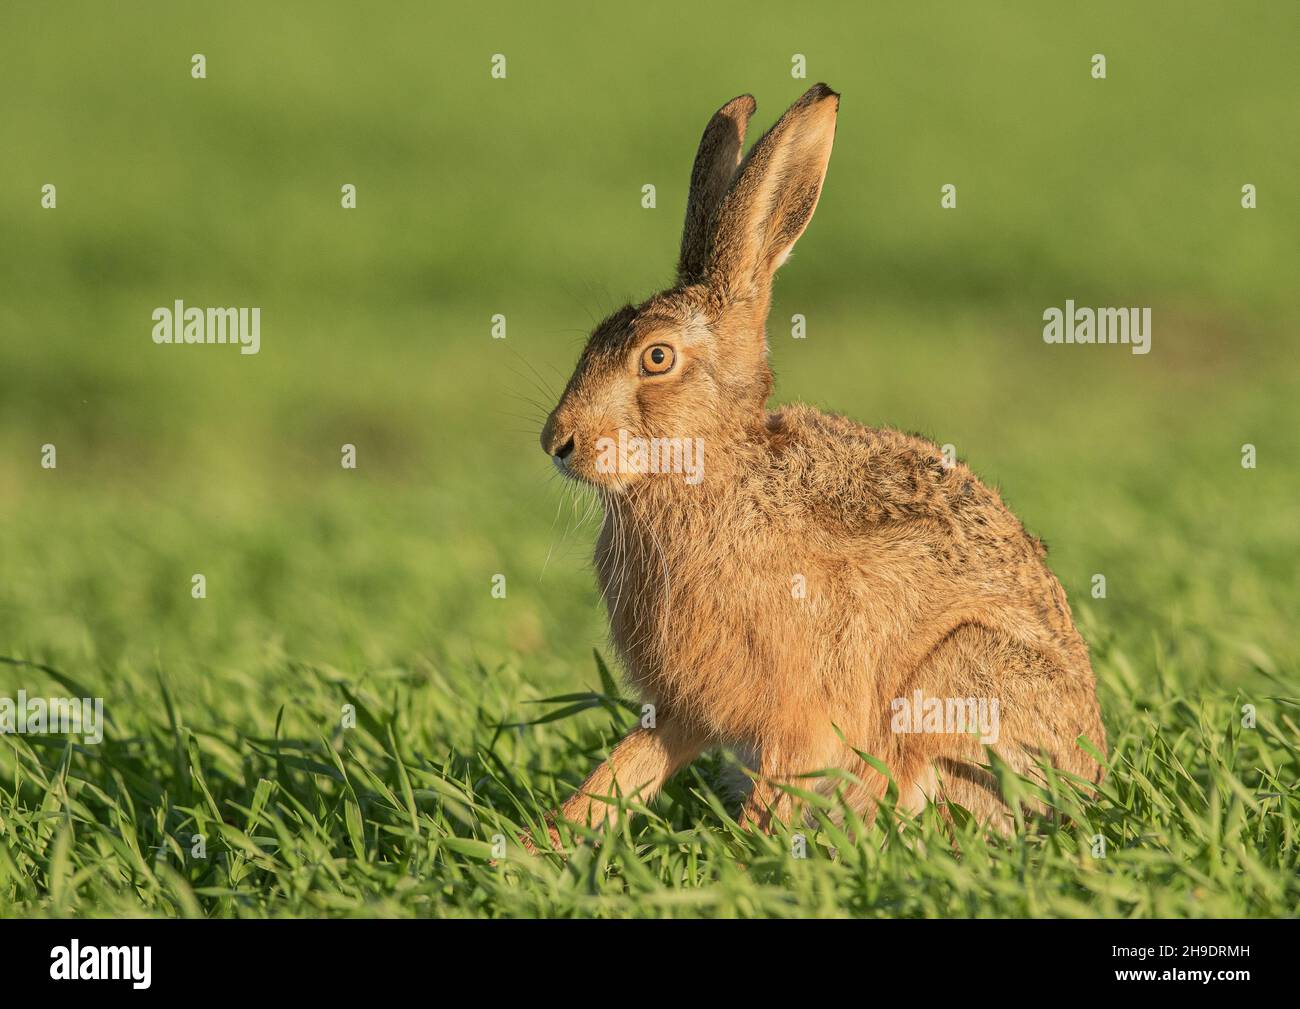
x,y
557,444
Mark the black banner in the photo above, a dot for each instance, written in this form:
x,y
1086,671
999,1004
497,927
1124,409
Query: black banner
x,y
332,958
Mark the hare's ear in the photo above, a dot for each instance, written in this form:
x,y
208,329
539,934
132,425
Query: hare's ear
x,y
715,167
774,195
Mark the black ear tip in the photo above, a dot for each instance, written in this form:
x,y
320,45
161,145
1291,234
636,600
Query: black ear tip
x,y
821,91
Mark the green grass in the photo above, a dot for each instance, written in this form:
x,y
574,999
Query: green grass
x,y
372,587
397,816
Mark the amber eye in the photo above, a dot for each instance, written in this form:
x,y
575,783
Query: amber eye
x,y
658,360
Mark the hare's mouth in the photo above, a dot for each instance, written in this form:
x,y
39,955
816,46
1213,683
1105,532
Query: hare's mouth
x,y
611,482
567,471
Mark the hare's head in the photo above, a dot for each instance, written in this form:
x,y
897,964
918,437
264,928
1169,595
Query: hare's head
x,y
689,366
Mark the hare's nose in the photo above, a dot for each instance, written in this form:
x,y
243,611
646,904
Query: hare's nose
x,y
564,451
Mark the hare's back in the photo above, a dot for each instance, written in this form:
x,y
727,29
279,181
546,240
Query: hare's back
x,y
888,497
869,475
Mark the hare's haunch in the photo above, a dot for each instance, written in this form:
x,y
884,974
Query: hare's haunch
x,y
793,585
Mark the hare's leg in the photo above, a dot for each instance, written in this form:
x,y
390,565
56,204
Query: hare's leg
x,y
765,804
1028,705
638,766
782,762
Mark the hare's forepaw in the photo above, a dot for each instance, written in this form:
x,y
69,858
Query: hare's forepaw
x,y
530,845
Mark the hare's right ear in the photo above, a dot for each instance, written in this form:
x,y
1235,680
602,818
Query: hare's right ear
x,y
774,196
715,167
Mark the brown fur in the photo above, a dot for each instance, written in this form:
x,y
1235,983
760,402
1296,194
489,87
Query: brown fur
x,y
917,576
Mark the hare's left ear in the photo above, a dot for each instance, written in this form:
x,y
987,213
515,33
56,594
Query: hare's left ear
x,y
774,195
715,167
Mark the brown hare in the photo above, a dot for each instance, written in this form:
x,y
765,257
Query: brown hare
x,y
786,583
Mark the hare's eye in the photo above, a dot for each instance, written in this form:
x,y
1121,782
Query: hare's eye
x,y
658,360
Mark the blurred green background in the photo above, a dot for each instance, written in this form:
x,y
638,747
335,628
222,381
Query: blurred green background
x,y
522,197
